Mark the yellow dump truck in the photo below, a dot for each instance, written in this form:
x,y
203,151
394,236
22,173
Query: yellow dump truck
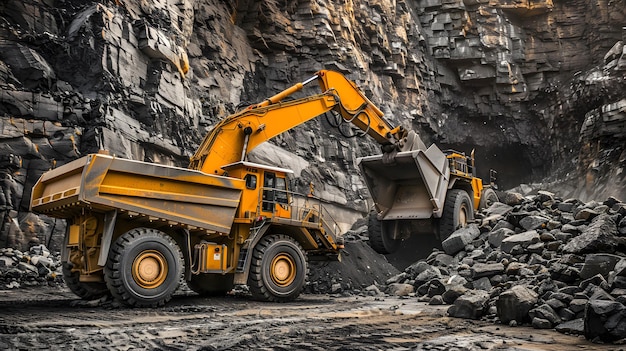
x,y
134,229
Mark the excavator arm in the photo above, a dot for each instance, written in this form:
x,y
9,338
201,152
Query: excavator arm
x,y
236,135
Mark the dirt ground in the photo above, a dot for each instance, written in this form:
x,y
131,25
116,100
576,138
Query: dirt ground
x,y
52,318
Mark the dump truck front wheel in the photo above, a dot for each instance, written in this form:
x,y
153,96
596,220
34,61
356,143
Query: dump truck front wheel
x,y
84,290
380,238
458,212
144,268
278,269
211,284
487,198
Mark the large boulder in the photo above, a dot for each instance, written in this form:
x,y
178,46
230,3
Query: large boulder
x,y
471,305
460,238
605,320
515,303
600,236
524,239
601,263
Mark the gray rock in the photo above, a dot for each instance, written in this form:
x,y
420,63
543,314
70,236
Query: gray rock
x,y
503,224
545,312
486,269
620,268
598,293
565,207
601,263
436,300
453,292
575,326
544,196
541,323
496,236
482,284
599,237
566,314
605,320
572,229
397,278
398,289
417,268
587,214
578,305
435,287
514,268
495,213
556,304
460,238
513,198
533,222
443,260
471,305
523,239
427,275
514,304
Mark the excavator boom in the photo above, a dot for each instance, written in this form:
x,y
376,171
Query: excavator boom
x,y
232,138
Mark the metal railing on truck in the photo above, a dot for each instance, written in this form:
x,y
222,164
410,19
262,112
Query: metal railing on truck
x,y
307,210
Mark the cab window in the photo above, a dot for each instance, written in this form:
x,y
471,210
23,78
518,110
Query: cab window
x,y
250,181
281,194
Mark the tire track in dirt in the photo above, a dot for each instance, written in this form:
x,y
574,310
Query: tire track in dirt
x,y
313,322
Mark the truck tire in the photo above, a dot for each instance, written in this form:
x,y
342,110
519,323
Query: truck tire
x,y
487,198
144,268
84,290
379,238
458,212
211,284
278,269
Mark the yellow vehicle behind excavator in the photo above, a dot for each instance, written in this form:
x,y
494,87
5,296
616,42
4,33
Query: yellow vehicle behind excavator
x,y
134,228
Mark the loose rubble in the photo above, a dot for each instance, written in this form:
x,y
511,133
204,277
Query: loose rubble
x,y
361,270
537,260
35,267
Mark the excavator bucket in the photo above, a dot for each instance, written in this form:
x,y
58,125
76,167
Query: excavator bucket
x,y
407,185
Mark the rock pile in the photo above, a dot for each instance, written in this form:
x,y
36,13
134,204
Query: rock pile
x,y
31,268
361,270
537,260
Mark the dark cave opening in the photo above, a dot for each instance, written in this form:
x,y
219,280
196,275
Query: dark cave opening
x,y
514,163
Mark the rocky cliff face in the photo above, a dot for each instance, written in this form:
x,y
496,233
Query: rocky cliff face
x,y
535,86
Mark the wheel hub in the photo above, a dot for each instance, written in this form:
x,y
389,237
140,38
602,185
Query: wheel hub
x,y
149,269
283,270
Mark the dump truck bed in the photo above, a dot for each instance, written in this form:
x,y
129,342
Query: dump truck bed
x,y
104,183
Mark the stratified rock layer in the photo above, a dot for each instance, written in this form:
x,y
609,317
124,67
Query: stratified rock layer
x,y
536,87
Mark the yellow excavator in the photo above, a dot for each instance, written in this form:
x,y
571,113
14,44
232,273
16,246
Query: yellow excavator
x,y
135,228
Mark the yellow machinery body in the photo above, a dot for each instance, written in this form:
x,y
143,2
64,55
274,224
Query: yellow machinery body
x,y
222,206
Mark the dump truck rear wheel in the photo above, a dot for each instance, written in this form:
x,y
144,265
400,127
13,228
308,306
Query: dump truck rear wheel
x,y
379,238
487,198
278,269
144,268
458,212
84,290
211,284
